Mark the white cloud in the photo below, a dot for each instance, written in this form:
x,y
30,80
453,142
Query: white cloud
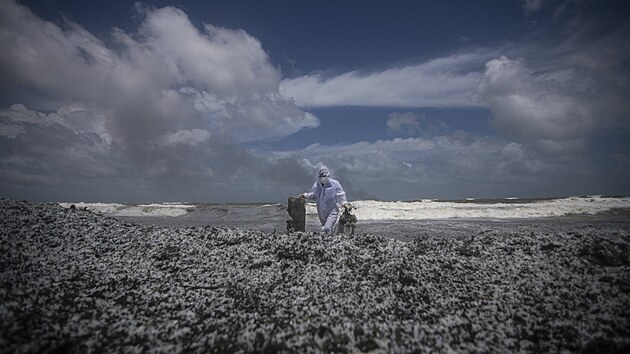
x,y
186,137
76,117
166,52
403,122
11,131
516,161
249,118
155,94
529,105
169,105
410,124
218,60
46,149
445,166
443,82
557,109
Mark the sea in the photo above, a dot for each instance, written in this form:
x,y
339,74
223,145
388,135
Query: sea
x,y
372,215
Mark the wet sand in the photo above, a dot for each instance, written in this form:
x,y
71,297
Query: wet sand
x,y
75,281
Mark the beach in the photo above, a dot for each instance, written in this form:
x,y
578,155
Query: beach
x,y
73,280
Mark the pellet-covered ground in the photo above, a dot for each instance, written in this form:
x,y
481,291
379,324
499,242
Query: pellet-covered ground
x,y
75,281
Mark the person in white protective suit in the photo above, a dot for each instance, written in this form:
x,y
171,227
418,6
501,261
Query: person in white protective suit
x,y
330,196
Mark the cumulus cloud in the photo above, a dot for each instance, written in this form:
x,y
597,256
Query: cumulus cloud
x,y
169,99
532,107
442,82
218,60
404,122
410,124
171,108
45,145
75,116
555,90
559,107
445,166
187,137
166,52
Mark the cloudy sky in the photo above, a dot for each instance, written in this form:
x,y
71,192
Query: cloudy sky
x,y
232,101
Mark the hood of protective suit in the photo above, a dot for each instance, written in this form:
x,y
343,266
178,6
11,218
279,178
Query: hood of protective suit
x,y
323,172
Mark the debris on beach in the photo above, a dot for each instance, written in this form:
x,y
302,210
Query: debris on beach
x,y
75,281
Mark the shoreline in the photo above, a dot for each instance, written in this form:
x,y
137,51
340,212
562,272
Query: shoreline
x,y
403,230
76,281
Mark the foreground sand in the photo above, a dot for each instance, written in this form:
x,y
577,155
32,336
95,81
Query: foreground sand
x,y
74,281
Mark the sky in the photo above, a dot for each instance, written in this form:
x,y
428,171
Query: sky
x,y
242,101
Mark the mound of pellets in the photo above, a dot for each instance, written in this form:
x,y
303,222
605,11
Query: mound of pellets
x,y
75,281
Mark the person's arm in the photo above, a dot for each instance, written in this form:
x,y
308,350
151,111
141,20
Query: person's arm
x,y
311,194
307,195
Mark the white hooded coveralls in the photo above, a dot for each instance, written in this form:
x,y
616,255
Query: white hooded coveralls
x,y
329,197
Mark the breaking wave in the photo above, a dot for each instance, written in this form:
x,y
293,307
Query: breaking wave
x,y
139,210
426,209
494,209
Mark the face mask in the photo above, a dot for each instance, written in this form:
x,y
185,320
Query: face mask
x,y
323,180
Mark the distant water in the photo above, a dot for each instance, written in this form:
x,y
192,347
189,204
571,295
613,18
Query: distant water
x,y
269,217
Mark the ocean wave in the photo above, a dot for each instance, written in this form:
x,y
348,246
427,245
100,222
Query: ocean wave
x,y
426,209
139,210
421,210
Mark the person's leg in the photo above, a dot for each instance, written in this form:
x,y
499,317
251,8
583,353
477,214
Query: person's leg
x,y
329,226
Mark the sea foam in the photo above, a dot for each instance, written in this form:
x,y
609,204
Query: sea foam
x,y
506,209
426,209
139,210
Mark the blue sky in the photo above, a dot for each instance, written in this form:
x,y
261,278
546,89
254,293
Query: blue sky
x,y
242,100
